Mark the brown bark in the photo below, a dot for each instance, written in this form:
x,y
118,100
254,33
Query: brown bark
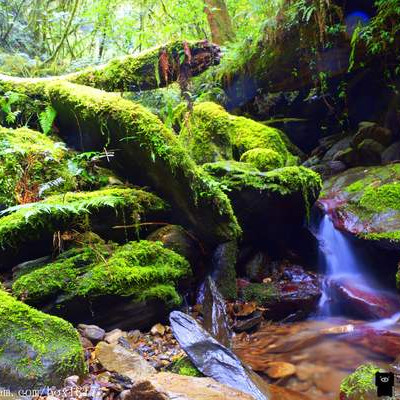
x,y
219,20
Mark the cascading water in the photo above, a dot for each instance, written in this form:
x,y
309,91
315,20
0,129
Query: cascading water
x,y
337,259
347,287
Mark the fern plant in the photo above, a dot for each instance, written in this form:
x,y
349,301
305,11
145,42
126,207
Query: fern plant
x,y
46,119
6,103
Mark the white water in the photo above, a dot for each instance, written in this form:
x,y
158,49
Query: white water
x,y
338,259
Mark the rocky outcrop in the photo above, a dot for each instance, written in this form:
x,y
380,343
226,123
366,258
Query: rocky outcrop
x,y
271,202
356,299
84,279
291,292
37,349
364,202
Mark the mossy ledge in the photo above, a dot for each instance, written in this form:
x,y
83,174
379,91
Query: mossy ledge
x,y
26,222
283,181
36,349
142,270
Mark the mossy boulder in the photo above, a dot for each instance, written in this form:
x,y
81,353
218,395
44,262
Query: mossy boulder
x,y
149,153
92,270
212,134
365,202
36,349
176,238
33,223
271,203
263,159
360,385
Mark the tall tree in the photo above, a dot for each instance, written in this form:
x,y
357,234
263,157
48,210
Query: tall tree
x,y
219,20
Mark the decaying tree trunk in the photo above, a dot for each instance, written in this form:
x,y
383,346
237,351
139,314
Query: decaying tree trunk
x,y
220,21
151,69
147,153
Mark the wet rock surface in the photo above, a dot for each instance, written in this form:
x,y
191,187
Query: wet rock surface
x,y
354,298
290,291
313,357
363,202
122,360
211,358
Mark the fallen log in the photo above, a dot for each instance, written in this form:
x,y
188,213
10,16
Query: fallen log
x,y
154,68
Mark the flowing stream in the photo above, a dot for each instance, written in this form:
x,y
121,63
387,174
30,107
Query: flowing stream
x,y
322,351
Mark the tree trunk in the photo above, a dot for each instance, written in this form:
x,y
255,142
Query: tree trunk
x,y
151,69
220,21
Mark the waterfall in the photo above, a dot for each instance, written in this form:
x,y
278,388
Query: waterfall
x,y
336,252
340,261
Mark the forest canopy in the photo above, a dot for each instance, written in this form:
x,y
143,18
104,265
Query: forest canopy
x,y
76,33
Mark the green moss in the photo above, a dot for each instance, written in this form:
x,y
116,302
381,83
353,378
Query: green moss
x,y
36,349
183,366
283,181
148,149
134,72
372,196
383,198
142,270
212,134
206,133
360,385
72,210
261,293
142,136
263,159
355,186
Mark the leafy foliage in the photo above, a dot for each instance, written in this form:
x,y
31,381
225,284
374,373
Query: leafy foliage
x,y
46,119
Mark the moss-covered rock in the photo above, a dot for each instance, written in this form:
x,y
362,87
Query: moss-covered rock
x,y
224,269
263,159
149,153
365,203
212,134
92,270
261,293
80,211
271,202
360,385
141,270
36,349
